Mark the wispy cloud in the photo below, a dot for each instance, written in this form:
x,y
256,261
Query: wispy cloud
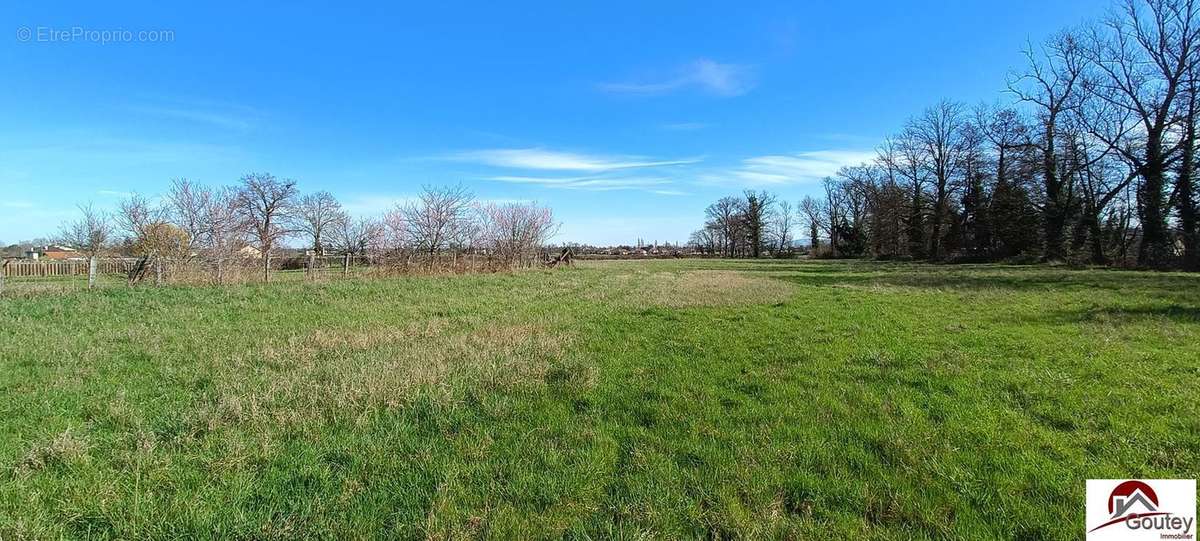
x,y
589,183
115,193
796,168
576,171
541,159
714,78
233,120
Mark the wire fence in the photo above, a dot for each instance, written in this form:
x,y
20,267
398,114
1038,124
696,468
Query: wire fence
x,y
25,277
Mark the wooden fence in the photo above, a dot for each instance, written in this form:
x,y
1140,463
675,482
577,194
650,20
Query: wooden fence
x,y
73,267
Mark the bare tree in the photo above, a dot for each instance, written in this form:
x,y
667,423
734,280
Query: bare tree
x,y
814,219
1187,200
137,216
1101,181
1052,83
834,210
1143,56
781,226
356,236
439,218
725,215
706,239
1004,129
395,230
315,215
90,233
939,134
514,232
187,207
905,156
266,204
224,229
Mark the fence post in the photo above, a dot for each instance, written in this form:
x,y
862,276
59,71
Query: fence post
x,y
311,265
345,264
157,271
91,272
3,271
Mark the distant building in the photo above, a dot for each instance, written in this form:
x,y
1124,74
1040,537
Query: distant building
x,y
54,252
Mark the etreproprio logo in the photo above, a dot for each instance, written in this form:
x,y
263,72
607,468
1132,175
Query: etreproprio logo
x,y
1141,509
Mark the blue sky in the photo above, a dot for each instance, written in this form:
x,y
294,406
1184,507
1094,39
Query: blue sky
x,y
627,118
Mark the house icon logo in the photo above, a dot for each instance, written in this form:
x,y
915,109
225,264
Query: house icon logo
x,y
1141,509
1131,496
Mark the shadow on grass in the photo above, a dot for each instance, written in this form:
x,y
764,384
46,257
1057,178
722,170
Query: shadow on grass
x,y
987,277
1174,312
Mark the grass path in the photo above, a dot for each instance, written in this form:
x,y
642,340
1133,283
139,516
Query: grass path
x,y
621,399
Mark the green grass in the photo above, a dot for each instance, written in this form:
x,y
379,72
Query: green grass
x,y
660,399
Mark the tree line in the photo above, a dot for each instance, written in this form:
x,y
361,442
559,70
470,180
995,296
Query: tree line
x,y
221,226
1092,160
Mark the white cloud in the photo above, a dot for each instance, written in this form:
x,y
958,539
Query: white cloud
x,y
536,158
589,183
796,168
592,172
16,204
706,75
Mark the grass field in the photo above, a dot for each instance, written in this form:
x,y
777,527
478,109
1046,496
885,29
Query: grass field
x,y
660,399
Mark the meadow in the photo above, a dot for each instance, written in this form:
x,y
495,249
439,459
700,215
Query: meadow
x,y
625,399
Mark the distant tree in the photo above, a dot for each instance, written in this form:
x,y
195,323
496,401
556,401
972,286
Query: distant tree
x,y
725,216
136,215
514,232
706,239
756,212
187,207
89,233
1187,190
1052,83
888,203
781,226
973,226
266,204
814,219
316,214
833,208
905,155
938,132
1005,139
439,218
1015,219
224,228
1144,55
356,236
162,239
